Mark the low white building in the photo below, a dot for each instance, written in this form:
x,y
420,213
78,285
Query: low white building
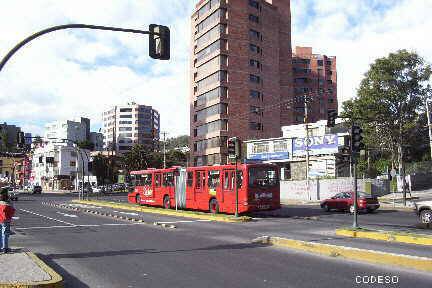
x,y
57,166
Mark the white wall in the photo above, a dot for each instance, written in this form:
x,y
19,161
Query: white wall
x,y
326,188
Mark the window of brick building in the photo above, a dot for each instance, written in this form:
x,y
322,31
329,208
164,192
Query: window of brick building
x,y
254,4
254,48
254,63
254,78
253,18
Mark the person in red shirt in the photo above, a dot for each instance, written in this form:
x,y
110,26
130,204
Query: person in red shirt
x,y
6,214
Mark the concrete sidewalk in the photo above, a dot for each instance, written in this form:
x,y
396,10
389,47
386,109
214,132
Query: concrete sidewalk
x,y
24,269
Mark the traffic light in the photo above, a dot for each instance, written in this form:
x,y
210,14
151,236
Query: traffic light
x,y
331,118
233,148
356,139
20,139
159,42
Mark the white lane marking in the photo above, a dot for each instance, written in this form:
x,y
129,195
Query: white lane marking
x,y
184,221
77,226
84,206
67,215
15,218
126,213
30,212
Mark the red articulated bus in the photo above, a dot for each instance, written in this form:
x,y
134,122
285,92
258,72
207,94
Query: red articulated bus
x,y
209,188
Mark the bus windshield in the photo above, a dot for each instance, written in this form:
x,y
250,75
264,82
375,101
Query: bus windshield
x,y
262,177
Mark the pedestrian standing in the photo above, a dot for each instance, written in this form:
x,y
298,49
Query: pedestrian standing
x,y
6,214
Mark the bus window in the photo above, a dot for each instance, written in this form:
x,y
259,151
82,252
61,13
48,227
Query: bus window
x,y
198,180
168,179
189,179
262,177
146,179
157,180
213,179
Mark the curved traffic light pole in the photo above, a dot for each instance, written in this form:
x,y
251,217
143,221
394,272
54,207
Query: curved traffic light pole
x,y
62,27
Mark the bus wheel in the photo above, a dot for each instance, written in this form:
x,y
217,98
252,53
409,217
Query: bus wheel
x,y
138,199
166,202
214,206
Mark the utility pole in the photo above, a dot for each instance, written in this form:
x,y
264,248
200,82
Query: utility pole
x,y
354,160
306,102
428,112
164,151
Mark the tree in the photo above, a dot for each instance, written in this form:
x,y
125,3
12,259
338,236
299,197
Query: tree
x,y
86,144
177,142
391,99
140,157
105,168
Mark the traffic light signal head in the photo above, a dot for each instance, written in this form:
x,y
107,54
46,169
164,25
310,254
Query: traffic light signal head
x,y
356,139
331,118
233,148
159,42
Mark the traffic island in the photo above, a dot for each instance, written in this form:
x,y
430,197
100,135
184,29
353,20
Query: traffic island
x,y
390,236
25,269
167,212
362,255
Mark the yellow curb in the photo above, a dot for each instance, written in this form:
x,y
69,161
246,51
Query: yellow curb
x,y
390,236
55,282
375,257
181,213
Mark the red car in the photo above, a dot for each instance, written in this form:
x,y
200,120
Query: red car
x,y
345,202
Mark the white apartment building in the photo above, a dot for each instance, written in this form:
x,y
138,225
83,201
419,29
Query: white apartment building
x,y
59,166
72,130
130,124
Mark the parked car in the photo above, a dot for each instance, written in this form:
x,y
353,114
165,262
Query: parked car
x,y
424,211
345,202
37,189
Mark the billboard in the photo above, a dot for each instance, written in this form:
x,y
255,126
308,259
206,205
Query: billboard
x,y
317,145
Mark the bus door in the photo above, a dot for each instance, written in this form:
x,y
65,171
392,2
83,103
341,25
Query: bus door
x,y
169,185
158,190
190,190
214,187
200,187
228,188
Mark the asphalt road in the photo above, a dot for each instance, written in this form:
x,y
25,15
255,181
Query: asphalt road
x,y
94,251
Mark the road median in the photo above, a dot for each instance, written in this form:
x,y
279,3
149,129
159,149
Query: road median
x,y
362,255
389,236
168,212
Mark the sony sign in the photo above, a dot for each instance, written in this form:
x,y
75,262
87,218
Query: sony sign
x,y
327,144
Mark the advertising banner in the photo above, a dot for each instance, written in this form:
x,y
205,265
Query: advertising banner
x,y
269,156
317,145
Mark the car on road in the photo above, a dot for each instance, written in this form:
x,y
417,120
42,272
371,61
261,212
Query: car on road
x,y
344,201
37,189
424,211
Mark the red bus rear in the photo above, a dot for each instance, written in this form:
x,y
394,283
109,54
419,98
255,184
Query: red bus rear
x,y
209,188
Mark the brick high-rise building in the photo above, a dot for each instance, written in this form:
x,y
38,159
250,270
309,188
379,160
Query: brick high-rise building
x,y
314,76
241,74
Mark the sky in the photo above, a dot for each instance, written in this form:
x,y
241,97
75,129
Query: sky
x,y
72,73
